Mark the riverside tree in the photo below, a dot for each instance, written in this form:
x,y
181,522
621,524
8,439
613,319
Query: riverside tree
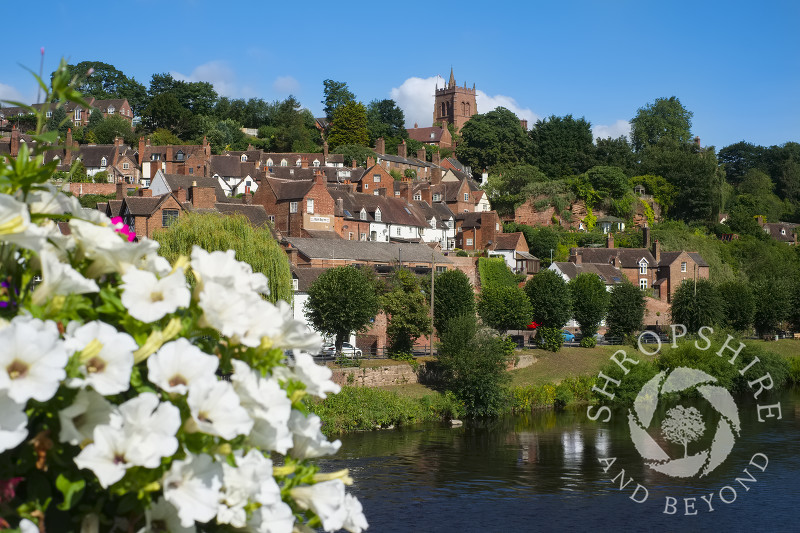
x,y
503,308
738,304
342,300
453,296
696,304
407,313
551,303
589,304
625,310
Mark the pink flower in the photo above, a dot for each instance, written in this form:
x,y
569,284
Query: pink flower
x,y
122,228
8,488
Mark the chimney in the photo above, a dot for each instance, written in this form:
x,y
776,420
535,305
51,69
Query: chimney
x,y
248,198
340,207
657,251
15,141
141,150
416,125
118,141
484,177
436,173
145,192
370,162
380,146
181,195
382,191
304,162
120,191
206,147
645,237
524,123
401,149
610,240
325,153
425,192
575,256
421,154
353,164
319,177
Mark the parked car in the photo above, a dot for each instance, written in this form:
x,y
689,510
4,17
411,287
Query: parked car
x,y
348,350
568,337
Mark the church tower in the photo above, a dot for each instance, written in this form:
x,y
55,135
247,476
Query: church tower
x,y
454,104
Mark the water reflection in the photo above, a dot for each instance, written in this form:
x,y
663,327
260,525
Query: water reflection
x,y
542,471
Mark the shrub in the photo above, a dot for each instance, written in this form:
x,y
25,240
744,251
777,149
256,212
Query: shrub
x,y
588,342
550,338
563,396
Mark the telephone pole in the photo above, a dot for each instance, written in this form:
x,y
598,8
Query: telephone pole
x,y
433,279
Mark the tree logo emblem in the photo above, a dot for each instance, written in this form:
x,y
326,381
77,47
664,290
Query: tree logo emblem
x,y
683,425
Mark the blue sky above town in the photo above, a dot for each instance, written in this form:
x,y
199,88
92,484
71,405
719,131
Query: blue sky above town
x,y
734,64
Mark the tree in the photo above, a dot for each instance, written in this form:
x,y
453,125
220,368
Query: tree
x,y
95,119
349,125
683,425
491,139
474,363
164,137
341,301
112,127
739,158
663,192
562,146
625,310
165,111
255,246
337,94
510,185
59,122
355,152
666,118
453,296
385,119
406,310
107,82
696,303
590,301
738,305
551,299
772,304
504,308
542,242
616,153
199,97
608,181
291,132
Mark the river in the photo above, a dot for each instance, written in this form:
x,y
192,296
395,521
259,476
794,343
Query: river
x,y
542,472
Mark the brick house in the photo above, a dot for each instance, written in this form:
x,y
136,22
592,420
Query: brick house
x,y
402,161
164,183
513,248
236,175
77,113
375,177
435,136
188,160
780,231
146,213
456,194
297,207
477,231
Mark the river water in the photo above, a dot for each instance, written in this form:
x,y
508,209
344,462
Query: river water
x,y
542,472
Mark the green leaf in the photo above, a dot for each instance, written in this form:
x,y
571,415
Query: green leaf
x,y
72,491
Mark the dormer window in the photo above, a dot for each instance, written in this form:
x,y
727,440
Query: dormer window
x,y
378,214
363,214
179,156
466,197
298,162
155,157
284,163
783,231
111,110
433,223
417,196
49,114
103,162
316,162
437,197
269,162
433,135
643,267
244,158
77,115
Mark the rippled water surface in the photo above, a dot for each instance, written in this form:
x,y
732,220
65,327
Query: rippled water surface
x,y
541,472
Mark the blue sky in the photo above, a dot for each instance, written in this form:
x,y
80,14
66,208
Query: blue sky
x,y
734,64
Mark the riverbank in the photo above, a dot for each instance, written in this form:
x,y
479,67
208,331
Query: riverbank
x,y
554,379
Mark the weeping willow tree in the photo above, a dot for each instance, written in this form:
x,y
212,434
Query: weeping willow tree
x,y
214,232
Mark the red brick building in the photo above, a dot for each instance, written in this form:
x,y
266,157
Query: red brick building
x,y
454,104
298,207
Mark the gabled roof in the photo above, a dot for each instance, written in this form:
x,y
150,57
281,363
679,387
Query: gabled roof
x,y
367,251
113,209
306,276
92,155
627,257
508,241
332,174
394,210
412,161
289,189
178,181
667,258
610,275
227,166
426,135
144,205
774,230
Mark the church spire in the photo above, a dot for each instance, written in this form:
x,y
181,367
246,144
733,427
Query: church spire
x,y
452,82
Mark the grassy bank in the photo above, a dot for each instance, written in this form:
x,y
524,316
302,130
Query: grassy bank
x,y
554,379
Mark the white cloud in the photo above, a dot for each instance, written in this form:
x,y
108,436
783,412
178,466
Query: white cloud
x,y
7,92
285,85
416,98
218,73
618,128
488,103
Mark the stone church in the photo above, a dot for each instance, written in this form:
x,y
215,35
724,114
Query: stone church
x,y
454,104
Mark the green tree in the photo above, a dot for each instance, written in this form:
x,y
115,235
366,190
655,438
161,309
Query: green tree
x,y
511,185
491,139
341,301
59,122
349,125
608,181
740,158
738,304
696,303
542,242
292,132
355,152
106,82
474,366
625,310
773,301
453,295
504,308
112,127
663,192
255,246
406,310
165,111
551,299
666,118
337,94
616,153
199,97
164,137
385,119
95,119
590,301
562,146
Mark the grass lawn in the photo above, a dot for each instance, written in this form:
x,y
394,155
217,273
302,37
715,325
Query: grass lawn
x,y
783,347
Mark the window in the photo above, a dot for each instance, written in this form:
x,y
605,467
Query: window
x,y
437,197
350,236
77,114
366,186
377,215
376,193
103,162
397,193
191,171
433,135
316,162
168,216
783,231
155,157
643,283
683,266
111,110
298,163
449,223
310,206
269,162
363,214
248,183
284,163
295,284
469,242
125,166
417,196
376,178
363,237
244,158
643,267
397,230
433,222
293,207
49,114
271,218
497,226
179,156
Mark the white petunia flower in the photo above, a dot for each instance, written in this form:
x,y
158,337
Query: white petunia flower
x,y
26,526
107,456
88,410
327,501
250,479
275,518
355,522
13,423
60,278
309,442
316,378
51,201
109,251
163,516
149,298
193,487
108,363
151,427
16,226
267,404
227,311
289,333
223,268
216,410
32,359
179,365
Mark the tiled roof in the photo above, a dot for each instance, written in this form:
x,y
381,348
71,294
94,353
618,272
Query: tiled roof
x,y
667,258
627,257
332,174
255,214
92,155
176,181
393,210
306,276
289,189
379,252
609,274
426,135
143,205
227,166
774,230
507,241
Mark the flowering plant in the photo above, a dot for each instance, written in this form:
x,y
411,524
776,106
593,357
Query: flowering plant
x,y
113,413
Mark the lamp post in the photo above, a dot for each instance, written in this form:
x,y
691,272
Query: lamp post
x,y
400,256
